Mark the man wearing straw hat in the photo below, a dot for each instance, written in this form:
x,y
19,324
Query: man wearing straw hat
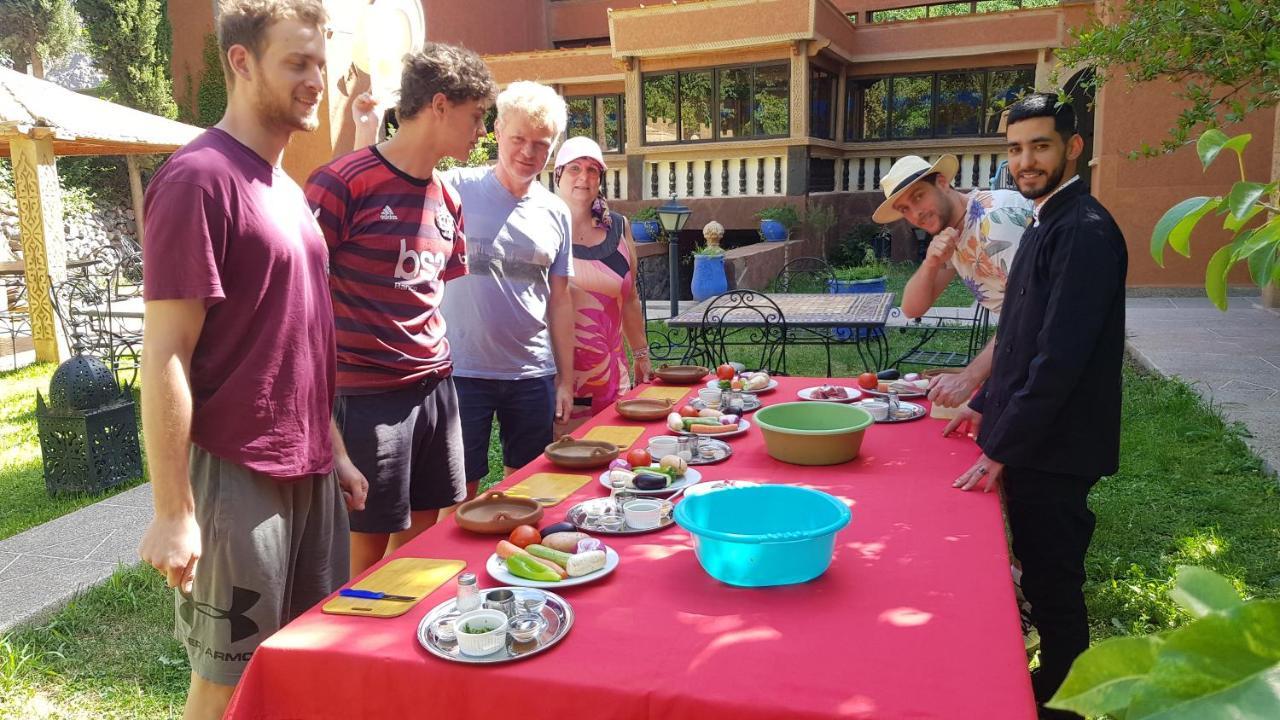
x,y
975,236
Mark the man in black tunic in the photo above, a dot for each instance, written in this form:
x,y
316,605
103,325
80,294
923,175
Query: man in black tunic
x,y
1048,419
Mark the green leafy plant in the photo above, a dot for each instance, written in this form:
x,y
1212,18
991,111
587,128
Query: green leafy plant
x,y
785,214
819,220
645,213
870,268
129,42
709,250
857,241
1258,246
36,31
480,154
1223,664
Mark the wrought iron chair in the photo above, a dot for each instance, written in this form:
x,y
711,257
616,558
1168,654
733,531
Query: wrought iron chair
x,y
87,305
15,315
804,275
747,319
975,330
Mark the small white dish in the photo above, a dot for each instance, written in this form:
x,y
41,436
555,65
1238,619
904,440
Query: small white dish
x,y
643,514
481,644
879,409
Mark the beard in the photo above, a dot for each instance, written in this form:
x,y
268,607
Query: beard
x,y
1054,179
274,110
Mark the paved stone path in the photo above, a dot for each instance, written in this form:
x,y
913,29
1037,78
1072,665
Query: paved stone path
x,y
1232,359
44,566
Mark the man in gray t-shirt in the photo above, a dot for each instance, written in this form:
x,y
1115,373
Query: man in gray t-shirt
x,y
510,320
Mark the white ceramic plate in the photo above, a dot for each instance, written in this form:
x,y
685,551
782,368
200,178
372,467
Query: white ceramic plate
x,y
714,485
690,477
773,385
743,426
497,569
807,394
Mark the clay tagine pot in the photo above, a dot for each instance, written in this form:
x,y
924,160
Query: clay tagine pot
x,y
495,513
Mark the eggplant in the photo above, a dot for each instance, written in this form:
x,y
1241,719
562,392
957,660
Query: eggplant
x,y
558,527
890,374
651,481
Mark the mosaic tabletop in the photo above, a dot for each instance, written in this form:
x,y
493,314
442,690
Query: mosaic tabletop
x,y
801,309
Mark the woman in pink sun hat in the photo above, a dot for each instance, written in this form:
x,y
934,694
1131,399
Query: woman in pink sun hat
x,y
605,298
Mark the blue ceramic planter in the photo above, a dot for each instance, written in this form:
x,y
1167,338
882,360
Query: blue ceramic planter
x,y
709,279
645,231
773,231
853,287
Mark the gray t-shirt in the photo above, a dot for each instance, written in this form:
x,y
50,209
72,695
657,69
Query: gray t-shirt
x,y
497,314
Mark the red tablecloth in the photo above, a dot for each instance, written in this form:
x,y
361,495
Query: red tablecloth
x,y
916,617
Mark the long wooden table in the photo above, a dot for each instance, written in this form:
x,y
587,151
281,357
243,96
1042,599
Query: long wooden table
x,y
916,618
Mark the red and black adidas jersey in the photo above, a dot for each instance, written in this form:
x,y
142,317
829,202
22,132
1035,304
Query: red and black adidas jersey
x,y
393,242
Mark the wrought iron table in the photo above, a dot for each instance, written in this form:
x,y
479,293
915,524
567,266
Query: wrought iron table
x,y
806,319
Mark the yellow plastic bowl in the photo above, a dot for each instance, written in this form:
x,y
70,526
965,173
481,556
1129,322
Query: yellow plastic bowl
x,y
808,433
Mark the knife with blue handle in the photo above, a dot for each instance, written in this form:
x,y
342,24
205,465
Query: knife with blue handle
x,y
373,595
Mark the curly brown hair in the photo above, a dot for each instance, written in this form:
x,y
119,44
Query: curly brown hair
x,y
456,72
246,22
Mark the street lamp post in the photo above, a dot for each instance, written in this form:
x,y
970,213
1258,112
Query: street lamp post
x,y
673,216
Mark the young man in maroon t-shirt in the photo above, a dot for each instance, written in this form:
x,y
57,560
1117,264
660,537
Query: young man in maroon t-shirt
x,y
238,362
395,237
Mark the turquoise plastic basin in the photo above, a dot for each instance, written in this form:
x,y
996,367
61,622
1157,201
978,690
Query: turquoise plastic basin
x,y
763,535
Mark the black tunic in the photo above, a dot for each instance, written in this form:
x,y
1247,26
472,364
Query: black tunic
x,y
1052,402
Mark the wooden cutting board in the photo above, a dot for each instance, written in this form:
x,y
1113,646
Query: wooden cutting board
x,y
660,392
619,435
418,577
548,488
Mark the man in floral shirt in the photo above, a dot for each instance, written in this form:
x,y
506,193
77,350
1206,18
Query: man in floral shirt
x,y
975,236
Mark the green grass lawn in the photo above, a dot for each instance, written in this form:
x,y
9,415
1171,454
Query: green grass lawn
x,y
1188,492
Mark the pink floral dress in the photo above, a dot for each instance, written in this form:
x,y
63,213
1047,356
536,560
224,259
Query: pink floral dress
x,y
603,279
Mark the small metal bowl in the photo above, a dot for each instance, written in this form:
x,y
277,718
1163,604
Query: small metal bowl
x,y
525,627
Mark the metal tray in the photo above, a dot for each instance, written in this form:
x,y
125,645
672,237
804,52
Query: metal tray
x,y
555,611
723,451
578,515
915,412
750,403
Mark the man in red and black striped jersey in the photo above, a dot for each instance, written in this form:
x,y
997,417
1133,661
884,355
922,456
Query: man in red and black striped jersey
x,y
395,237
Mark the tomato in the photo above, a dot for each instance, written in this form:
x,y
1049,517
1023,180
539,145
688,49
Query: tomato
x,y
639,458
525,535
688,411
868,381
726,372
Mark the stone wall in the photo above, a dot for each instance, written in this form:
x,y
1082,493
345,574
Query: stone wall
x,y
85,231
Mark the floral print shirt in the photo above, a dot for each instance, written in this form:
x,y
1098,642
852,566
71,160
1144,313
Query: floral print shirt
x,y
994,221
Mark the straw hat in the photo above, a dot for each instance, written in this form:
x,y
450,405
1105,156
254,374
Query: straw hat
x,y
904,172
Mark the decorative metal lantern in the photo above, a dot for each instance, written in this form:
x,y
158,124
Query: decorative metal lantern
x,y
88,429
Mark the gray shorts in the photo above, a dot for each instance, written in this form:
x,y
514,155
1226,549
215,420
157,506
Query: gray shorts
x,y
408,445
270,550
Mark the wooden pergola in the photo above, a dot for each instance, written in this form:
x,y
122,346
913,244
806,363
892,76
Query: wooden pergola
x,y
39,121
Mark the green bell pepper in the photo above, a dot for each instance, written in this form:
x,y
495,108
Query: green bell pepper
x,y
530,569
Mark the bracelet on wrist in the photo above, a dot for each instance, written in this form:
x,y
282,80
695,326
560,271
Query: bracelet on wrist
x,y
640,352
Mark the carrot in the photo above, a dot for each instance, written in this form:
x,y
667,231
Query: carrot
x,y
507,549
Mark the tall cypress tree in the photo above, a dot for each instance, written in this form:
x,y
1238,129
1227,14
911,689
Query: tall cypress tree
x,y
36,31
129,41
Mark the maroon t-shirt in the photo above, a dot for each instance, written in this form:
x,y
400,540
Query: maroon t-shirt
x,y
225,226
393,242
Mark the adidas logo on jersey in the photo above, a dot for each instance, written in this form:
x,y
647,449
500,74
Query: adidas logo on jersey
x,y
387,214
